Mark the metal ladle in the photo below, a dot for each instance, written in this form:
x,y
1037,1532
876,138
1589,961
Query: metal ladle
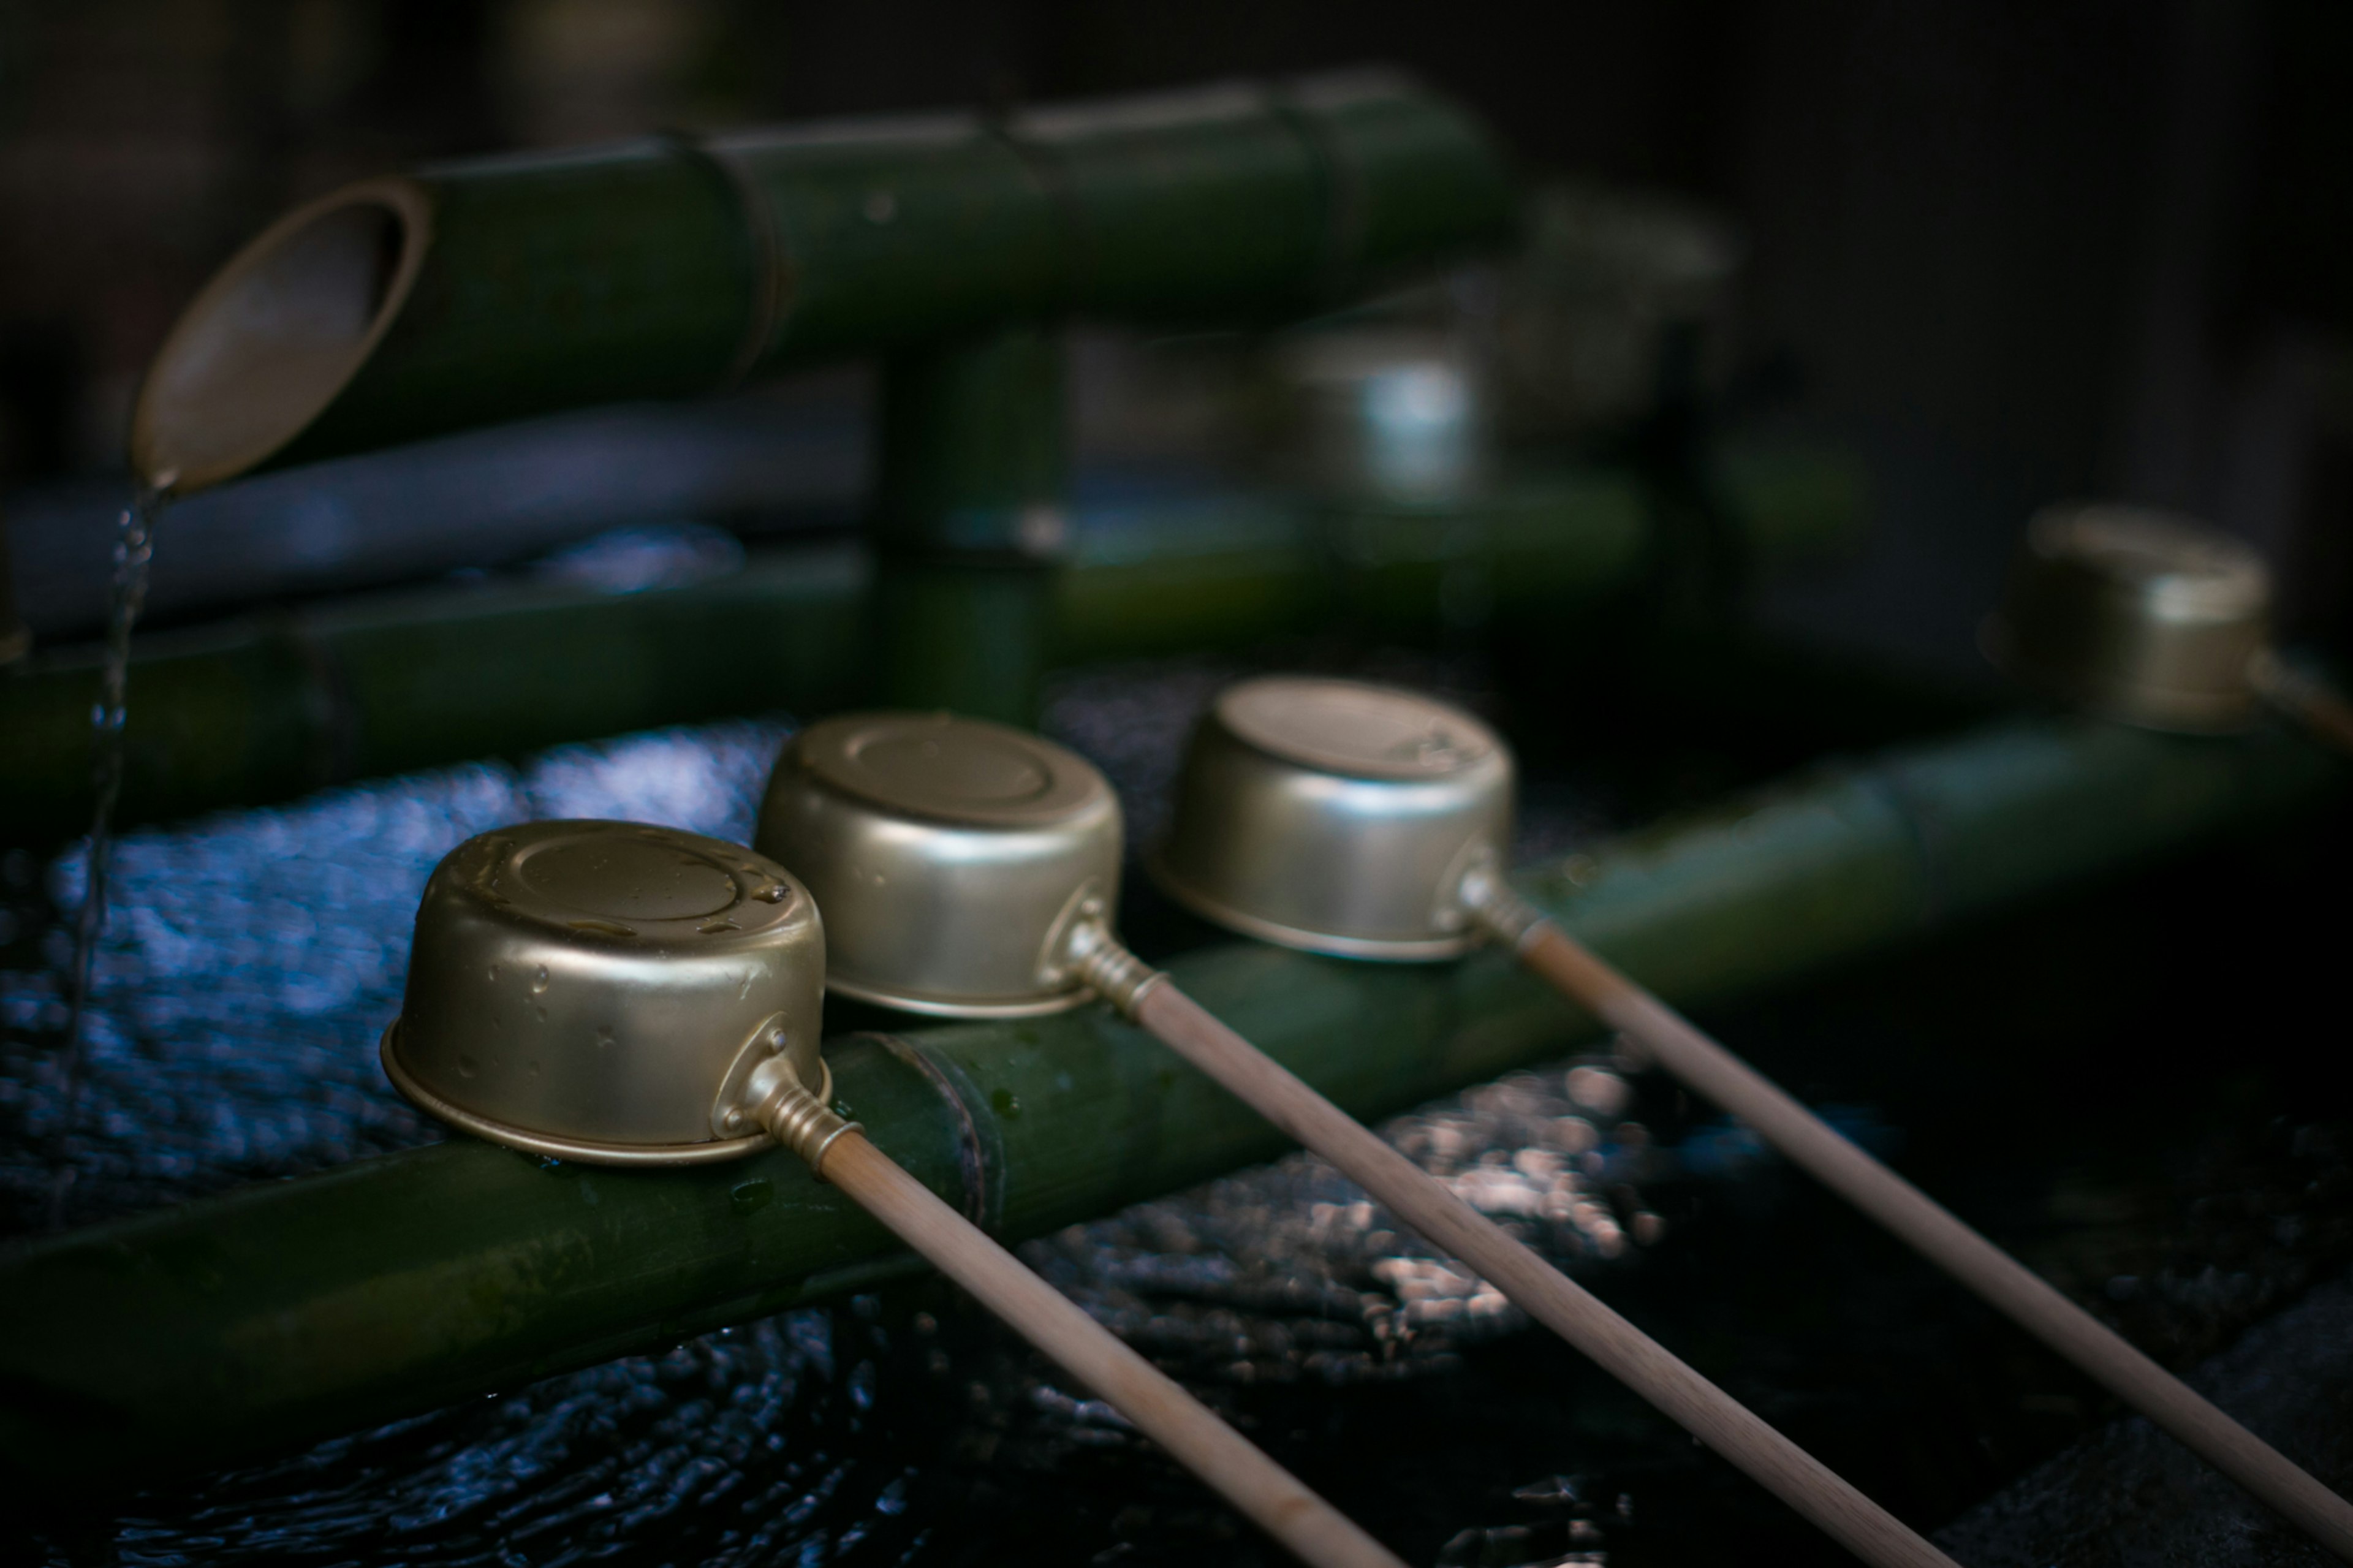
x,y
1371,822
2155,619
625,994
970,869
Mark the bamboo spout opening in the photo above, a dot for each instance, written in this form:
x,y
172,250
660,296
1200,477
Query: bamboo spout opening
x,y
277,334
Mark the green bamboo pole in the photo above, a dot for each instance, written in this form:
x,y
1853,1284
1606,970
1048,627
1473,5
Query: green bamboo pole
x,y
209,1333
15,638
270,707
267,709
968,523
471,293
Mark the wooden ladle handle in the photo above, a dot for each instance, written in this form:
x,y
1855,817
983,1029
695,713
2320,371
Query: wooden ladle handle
x,y
1312,1530
1716,1075
2312,702
1432,1209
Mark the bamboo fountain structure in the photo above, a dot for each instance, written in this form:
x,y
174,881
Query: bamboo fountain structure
x,y
198,1336
234,1326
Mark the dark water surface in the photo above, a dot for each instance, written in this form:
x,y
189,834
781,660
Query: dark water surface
x,y
2184,1180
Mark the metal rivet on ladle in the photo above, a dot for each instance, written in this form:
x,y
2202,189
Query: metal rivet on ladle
x,y
624,994
1369,821
966,868
2155,619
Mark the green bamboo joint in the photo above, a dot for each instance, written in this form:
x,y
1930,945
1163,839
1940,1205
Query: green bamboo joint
x,y
210,1333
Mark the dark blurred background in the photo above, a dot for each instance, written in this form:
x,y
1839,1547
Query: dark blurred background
x,y
2007,252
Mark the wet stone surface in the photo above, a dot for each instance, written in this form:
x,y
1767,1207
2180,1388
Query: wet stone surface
x,y
2185,1192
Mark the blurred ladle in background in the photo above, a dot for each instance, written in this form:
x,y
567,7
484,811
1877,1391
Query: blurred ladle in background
x,y
622,994
2153,619
968,870
1370,822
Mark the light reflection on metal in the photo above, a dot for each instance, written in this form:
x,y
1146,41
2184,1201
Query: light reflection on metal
x,y
1391,415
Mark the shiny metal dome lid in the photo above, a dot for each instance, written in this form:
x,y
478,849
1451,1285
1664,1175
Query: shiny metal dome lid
x,y
586,989
2145,615
1338,817
951,857
964,772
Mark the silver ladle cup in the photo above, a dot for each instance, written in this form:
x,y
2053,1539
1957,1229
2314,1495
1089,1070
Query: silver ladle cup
x,y
2155,619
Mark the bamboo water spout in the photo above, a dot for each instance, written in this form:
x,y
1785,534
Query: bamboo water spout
x,y
971,870
619,995
471,293
1363,820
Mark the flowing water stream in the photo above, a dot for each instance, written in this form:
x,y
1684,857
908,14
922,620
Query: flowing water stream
x,y
134,548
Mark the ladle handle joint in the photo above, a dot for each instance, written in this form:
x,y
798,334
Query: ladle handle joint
x,y
1112,972
1499,911
799,1120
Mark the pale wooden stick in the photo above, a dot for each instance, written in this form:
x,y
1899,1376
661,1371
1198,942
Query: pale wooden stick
x,y
1716,1074
1311,1528
2311,702
1568,1309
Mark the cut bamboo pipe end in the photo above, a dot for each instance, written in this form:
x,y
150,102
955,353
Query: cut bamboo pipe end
x,y
278,333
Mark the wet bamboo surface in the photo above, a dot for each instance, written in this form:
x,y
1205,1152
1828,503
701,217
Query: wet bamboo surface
x,y
191,1337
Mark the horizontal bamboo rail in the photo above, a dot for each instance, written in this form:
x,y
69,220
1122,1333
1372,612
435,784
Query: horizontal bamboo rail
x,y
265,708
205,1334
